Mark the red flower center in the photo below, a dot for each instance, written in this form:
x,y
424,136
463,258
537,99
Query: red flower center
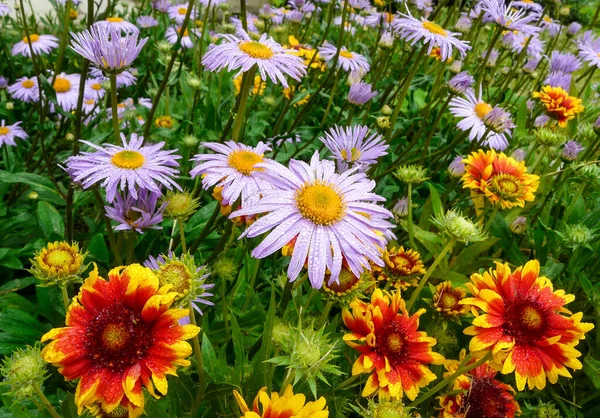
x,y
115,336
531,318
391,343
448,300
487,400
525,322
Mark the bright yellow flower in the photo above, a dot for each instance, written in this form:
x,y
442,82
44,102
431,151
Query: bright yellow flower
x,y
559,105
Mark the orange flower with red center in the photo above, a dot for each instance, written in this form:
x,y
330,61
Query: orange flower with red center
x,y
121,335
502,179
400,267
287,405
523,321
559,105
446,300
392,349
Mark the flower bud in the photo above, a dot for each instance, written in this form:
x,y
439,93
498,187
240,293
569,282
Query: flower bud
x,y
571,150
519,225
387,408
194,82
383,122
400,209
577,235
105,85
225,268
411,174
458,227
456,66
269,100
227,28
22,370
386,110
190,141
179,205
32,196
70,137
224,6
3,83
547,410
457,166
58,263
549,138
386,41
10,105
163,46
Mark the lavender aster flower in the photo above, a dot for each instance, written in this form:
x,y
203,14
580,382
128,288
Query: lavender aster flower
x,y
118,23
413,30
66,87
327,216
40,44
559,79
105,48
146,22
25,89
177,12
461,82
541,121
516,42
498,120
4,10
124,78
351,147
457,166
234,168
241,52
347,60
161,5
172,34
589,48
564,62
361,93
136,214
463,24
3,83
400,209
528,5
519,225
509,18
573,29
571,150
518,154
133,166
551,25
8,133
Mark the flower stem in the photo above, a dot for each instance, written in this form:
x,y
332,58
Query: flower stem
x,y
587,81
495,38
324,314
198,354
109,230
492,216
113,104
45,401
428,274
347,382
247,84
182,236
130,243
65,297
409,224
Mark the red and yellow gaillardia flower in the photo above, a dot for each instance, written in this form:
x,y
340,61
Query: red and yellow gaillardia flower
x,y
392,349
401,267
523,321
446,300
559,105
121,335
501,179
477,394
286,406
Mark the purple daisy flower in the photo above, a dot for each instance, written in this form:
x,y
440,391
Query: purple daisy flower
x,y
93,89
528,5
25,89
347,24
40,44
473,110
516,42
146,22
541,121
457,166
3,83
4,10
347,60
66,87
119,23
124,78
359,4
177,12
351,148
461,82
509,18
499,120
136,214
241,52
573,29
8,133
361,93
413,30
213,3
172,34
551,25
571,150
234,168
161,5
133,166
564,62
519,154
328,217
559,79
589,48
463,24
105,48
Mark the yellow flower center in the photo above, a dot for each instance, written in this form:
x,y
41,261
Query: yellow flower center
x,y
320,203
73,14
114,19
347,54
244,161
354,154
547,19
182,10
531,318
62,85
89,101
394,343
27,84
32,38
434,28
347,282
448,300
164,122
185,32
4,130
96,86
115,336
256,50
177,275
482,109
179,203
59,258
506,186
128,159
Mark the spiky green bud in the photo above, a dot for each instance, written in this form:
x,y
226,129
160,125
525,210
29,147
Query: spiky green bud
x,y
460,228
413,174
22,370
180,205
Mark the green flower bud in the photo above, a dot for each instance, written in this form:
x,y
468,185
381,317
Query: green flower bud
x,y
10,105
586,132
190,141
577,235
549,138
389,408
383,122
33,196
22,370
269,100
411,174
225,268
459,227
386,110
547,410
163,46
227,28
180,205
519,225
194,82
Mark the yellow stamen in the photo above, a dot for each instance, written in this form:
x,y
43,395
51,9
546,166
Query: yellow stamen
x,y
482,109
531,317
32,37
182,10
115,336
320,203
4,130
27,84
347,54
62,85
128,159
394,343
434,28
244,161
114,19
256,50
96,86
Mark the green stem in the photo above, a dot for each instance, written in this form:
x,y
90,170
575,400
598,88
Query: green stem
x,y
409,225
324,314
63,39
113,104
488,53
109,230
288,381
198,354
587,81
225,310
430,270
130,243
206,229
244,15
347,382
573,203
65,297
182,236
45,401
247,85
497,207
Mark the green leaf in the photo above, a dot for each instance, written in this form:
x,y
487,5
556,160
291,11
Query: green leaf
x,y
50,220
238,346
587,286
98,249
591,367
436,202
209,358
16,284
11,262
68,409
40,184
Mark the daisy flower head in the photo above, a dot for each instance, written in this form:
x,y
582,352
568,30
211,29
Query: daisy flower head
x,y
552,26
94,89
446,300
106,49
136,214
402,266
326,217
347,60
25,89
523,321
173,32
516,42
121,335
288,404
473,110
161,5
559,79
573,29
361,93
240,52
564,62
528,5
392,349
66,87
8,133
40,44
146,22
353,147
133,166
177,12
119,23
413,30
589,48
571,150
498,120
509,18
234,168
461,82
559,105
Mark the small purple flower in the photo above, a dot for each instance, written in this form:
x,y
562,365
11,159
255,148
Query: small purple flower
x,y
551,25
564,62
105,48
531,65
463,24
518,154
519,225
589,48
285,138
508,17
3,83
541,121
40,44
528,5
559,79
457,166
136,214
461,82
530,104
118,23
597,123
361,93
4,10
172,34
161,5
146,22
351,148
573,29
177,12
516,42
66,87
25,89
124,78
241,53
8,133
347,60
491,61
400,209
571,150
133,166
498,120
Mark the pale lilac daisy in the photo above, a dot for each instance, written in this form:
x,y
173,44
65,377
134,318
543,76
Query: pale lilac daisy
x,y
66,87
177,12
528,5
106,49
347,60
551,25
377,19
413,30
4,10
457,167
250,21
463,24
172,34
3,83
510,18
564,62
146,22
541,121
573,28
571,150
40,44
161,5
136,214
234,168
347,25
25,89
94,89
327,217
589,48
400,208
241,52
352,148
359,4
118,23
8,133
559,79
499,121
133,166
360,93
517,42
473,110
213,3
461,82
124,78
